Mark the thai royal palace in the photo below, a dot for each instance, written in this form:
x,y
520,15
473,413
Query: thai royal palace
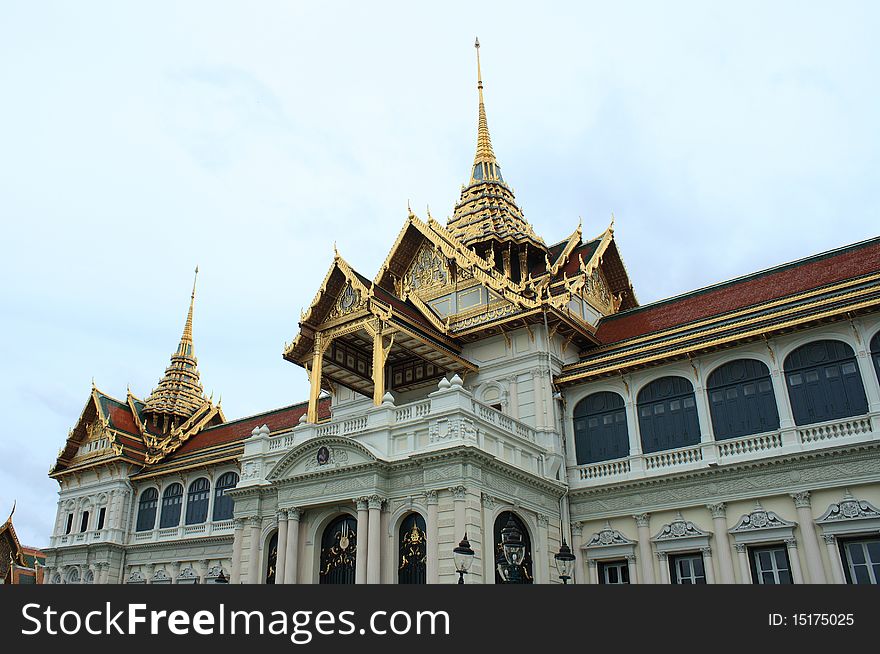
x,y
492,407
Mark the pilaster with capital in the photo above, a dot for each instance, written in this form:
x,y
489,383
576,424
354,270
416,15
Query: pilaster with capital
x,y
577,544
834,558
488,540
664,567
237,538
374,506
363,546
794,560
281,552
254,550
722,542
291,558
808,537
633,568
643,525
745,570
432,568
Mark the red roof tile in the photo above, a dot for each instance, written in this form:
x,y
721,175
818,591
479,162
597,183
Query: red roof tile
x,y
789,279
238,430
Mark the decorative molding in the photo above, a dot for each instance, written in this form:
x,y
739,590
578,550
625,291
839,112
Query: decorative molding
x,y
488,501
760,519
679,528
849,508
718,510
642,519
431,497
363,503
577,528
801,500
459,493
607,537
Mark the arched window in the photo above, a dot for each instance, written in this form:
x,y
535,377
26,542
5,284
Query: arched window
x,y
600,430
668,415
875,353
147,510
413,545
339,551
824,382
197,501
89,578
223,504
741,399
73,576
502,568
172,500
272,560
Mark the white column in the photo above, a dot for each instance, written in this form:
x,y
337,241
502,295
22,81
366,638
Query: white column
x,y
488,553
834,559
745,570
538,393
459,495
360,562
577,545
664,567
281,556
254,553
592,571
432,565
542,560
175,571
643,522
204,568
513,398
869,377
722,543
238,535
374,548
633,568
148,572
780,390
708,566
291,562
808,535
797,575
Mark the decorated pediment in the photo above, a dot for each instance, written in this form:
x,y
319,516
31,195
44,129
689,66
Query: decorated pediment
x,y
849,508
679,529
320,455
760,520
608,537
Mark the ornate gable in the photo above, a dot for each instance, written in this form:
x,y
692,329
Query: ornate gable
x,y
321,455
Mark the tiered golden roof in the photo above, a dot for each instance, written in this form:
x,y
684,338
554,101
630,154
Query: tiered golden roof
x,y
179,393
487,209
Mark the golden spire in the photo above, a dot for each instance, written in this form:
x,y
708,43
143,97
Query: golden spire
x,y
187,337
179,393
487,210
485,154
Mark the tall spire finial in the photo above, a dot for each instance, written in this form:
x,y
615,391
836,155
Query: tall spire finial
x,y
187,337
485,154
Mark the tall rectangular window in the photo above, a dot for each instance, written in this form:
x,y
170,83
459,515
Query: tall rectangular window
x,y
770,565
101,515
687,569
69,523
861,560
613,572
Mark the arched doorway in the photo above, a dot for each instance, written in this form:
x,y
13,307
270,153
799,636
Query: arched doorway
x,y
501,565
413,551
339,551
272,559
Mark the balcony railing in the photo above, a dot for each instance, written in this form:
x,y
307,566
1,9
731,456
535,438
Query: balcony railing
x,y
183,532
447,416
735,450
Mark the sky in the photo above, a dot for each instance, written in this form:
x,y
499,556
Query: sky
x,y
138,140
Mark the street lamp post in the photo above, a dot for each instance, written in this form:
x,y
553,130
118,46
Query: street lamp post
x,y
564,562
514,549
463,556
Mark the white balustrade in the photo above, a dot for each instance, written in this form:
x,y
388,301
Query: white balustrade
x,y
834,430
